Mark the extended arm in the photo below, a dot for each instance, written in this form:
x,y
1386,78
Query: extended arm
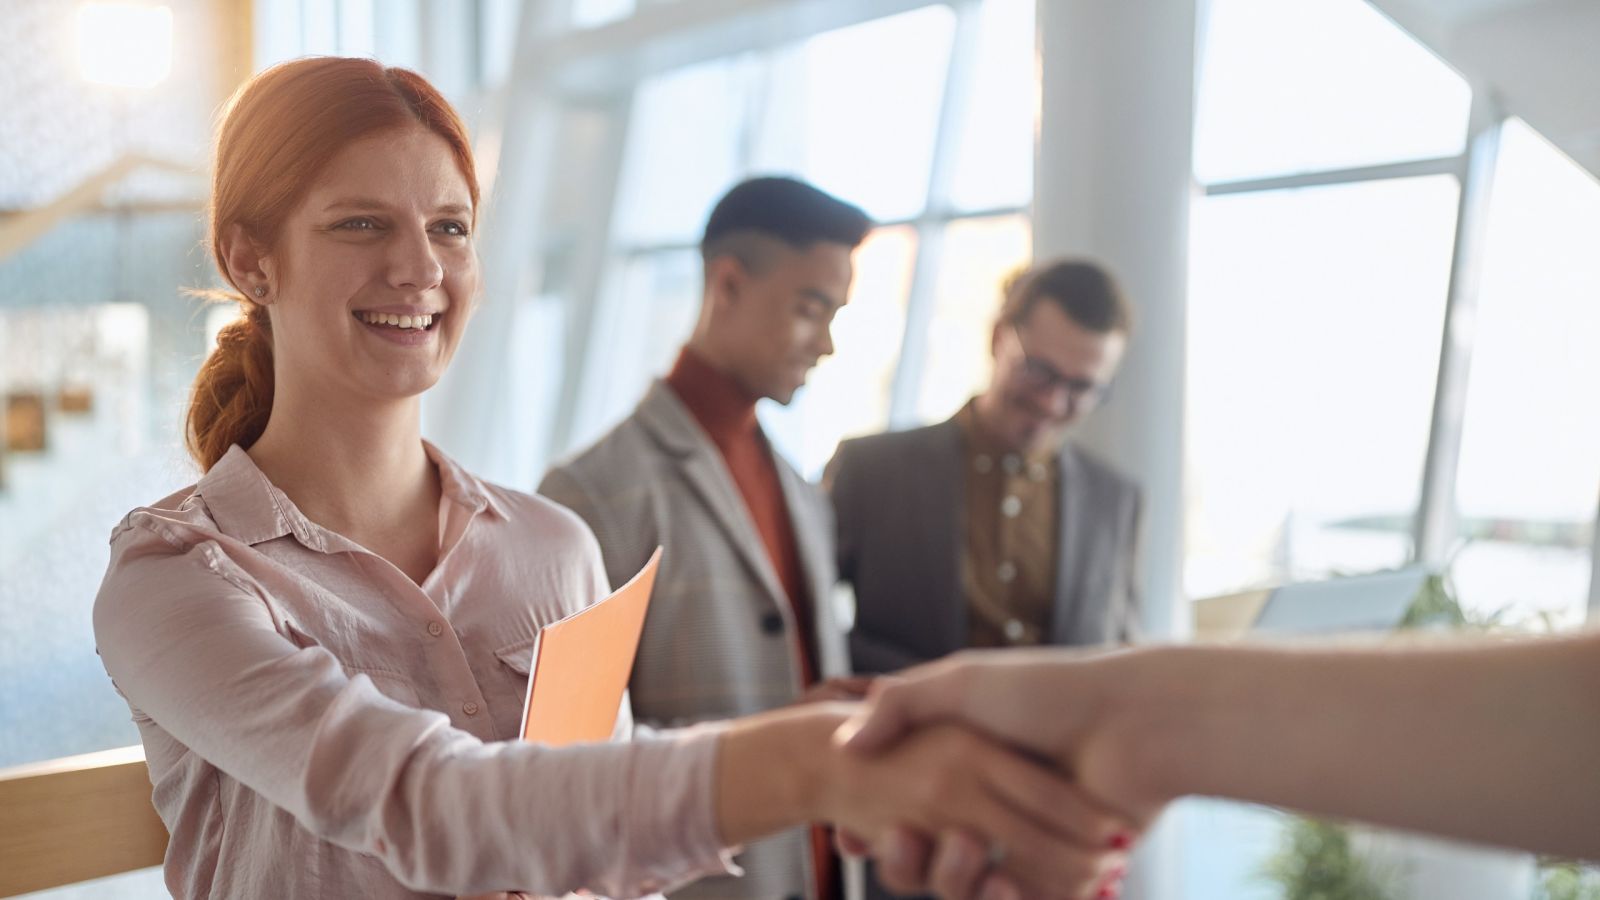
x,y
1492,742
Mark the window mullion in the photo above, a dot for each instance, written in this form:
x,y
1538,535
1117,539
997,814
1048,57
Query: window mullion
x,y
960,73
1436,517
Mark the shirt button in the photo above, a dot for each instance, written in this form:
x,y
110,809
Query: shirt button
x,y
1007,572
435,629
470,708
1012,464
1014,631
983,464
1011,506
772,623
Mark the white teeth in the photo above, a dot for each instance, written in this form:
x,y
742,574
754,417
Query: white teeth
x,y
397,321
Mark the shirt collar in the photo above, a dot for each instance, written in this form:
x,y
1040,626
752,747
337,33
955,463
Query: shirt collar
x,y
246,506
716,401
979,441
463,487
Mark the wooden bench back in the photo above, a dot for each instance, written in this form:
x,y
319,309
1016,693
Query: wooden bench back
x,y
75,819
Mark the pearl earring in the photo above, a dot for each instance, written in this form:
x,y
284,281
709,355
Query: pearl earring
x,y
261,291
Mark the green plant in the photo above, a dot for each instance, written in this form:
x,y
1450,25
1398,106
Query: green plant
x,y
1561,879
1315,861
1435,607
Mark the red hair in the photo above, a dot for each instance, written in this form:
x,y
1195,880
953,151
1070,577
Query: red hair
x,y
277,133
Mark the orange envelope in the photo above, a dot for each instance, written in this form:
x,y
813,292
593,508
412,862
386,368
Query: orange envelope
x,y
581,666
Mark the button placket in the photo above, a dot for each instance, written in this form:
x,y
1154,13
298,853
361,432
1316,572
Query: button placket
x,y
1011,506
459,688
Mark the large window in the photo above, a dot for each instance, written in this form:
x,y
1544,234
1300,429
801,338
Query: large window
x,y
855,111
976,258
860,112
1314,347
1529,480
1316,312
1331,147
1317,85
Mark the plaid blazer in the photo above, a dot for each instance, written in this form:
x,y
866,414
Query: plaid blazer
x,y
718,641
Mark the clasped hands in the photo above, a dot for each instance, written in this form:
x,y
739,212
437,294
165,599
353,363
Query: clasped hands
x,y
953,781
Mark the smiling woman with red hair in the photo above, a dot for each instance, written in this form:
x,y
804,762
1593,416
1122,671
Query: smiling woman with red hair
x,y
325,640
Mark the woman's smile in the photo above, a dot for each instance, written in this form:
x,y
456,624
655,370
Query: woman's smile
x,y
406,328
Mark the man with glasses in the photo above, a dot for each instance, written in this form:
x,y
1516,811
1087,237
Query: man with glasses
x,y
991,529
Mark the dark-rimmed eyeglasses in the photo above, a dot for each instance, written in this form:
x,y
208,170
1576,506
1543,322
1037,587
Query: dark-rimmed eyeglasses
x,y
1040,375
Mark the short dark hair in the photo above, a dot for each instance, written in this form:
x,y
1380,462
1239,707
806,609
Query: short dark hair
x,y
1083,290
783,209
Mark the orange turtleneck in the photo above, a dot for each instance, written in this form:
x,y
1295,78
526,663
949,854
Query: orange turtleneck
x,y
728,414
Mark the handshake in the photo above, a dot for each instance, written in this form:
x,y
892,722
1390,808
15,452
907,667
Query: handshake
x,y
1030,773
985,775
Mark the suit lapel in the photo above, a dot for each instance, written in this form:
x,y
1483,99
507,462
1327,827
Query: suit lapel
x,y
812,539
707,475
945,517
1069,565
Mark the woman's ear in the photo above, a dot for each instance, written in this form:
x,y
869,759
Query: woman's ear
x,y
248,267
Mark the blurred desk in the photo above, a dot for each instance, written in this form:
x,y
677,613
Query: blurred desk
x,y
1228,617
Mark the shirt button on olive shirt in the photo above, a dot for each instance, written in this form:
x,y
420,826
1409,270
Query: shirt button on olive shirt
x,y
1008,559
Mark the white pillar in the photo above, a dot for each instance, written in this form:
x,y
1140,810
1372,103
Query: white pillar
x,y
1112,181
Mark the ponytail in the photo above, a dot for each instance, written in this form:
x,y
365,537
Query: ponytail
x,y
232,396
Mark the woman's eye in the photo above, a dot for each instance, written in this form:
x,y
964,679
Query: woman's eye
x,y
454,229
360,224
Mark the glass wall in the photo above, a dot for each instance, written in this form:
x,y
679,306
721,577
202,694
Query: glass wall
x,y
1315,324
858,112
1322,255
1530,453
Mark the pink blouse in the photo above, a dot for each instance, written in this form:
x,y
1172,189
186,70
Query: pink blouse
x,y
318,725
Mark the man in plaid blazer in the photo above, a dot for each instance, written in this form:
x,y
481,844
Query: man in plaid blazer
x,y
740,621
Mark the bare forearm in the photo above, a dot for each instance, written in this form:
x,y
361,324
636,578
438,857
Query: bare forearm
x,y
1492,743
768,769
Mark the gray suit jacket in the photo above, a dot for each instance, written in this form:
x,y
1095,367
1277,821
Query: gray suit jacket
x,y
899,500
718,640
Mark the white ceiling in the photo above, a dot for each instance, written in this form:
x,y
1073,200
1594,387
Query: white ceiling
x,y
1540,59
1456,12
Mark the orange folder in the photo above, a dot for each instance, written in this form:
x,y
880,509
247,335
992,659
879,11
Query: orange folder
x,y
581,666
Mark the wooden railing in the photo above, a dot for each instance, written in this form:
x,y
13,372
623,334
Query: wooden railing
x,y
23,228
75,819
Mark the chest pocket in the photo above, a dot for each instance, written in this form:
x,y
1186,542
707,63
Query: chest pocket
x,y
390,682
508,692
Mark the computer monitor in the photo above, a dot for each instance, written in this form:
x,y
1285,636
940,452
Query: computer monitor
x,y
1356,603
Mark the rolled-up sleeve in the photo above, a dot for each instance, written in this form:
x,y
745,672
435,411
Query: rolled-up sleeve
x,y
191,641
